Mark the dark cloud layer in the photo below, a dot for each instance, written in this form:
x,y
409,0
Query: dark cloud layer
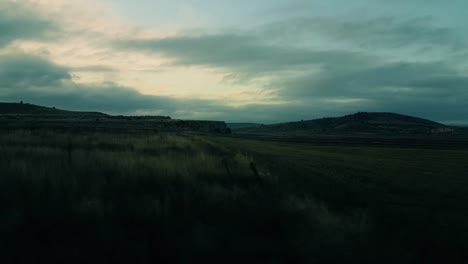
x,y
34,79
22,71
18,21
420,79
244,54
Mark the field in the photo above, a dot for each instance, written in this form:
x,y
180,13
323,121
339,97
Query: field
x,y
181,198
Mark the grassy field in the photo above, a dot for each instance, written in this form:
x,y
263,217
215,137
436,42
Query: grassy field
x,y
177,198
416,197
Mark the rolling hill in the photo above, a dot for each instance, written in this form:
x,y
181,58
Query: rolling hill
x,y
362,123
31,109
358,124
29,116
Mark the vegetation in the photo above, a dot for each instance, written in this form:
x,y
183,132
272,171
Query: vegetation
x,y
175,198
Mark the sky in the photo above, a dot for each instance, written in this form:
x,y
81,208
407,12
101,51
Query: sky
x,y
261,61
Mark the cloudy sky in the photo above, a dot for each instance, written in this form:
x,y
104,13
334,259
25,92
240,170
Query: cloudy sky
x,y
247,60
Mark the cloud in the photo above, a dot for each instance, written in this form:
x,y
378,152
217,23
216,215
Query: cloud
x,y
432,90
57,89
303,41
245,55
92,68
381,79
18,21
376,33
20,71
37,80
336,79
310,66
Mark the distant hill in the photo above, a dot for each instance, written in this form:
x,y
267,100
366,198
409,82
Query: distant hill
x,y
362,123
29,116
30,109
242,125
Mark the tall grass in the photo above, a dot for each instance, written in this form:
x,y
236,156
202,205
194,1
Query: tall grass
x,y
164,198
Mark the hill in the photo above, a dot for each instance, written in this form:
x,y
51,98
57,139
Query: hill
x,y
29,116
362,123
31,109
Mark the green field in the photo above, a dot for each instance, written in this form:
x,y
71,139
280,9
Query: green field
x,y
181,198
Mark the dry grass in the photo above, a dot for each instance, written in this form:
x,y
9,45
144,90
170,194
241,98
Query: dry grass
x,y
173,198
164,197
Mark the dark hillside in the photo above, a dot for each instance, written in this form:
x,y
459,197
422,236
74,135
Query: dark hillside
x,y
362,123
31,109
29,116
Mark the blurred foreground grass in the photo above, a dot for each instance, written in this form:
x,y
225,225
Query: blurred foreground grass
x,y
173,198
